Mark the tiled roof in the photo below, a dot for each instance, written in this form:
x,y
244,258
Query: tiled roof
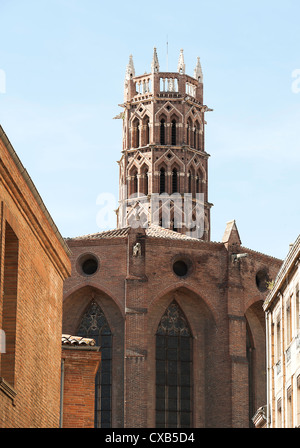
x,y
67,339
160,232
153,231
116,233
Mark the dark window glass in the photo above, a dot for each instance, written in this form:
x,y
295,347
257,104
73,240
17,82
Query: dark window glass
x,y
173,132
174,181
94,325
173,370
162,186
162,132
135,183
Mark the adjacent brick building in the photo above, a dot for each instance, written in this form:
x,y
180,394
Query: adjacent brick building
x,y
34,263
178,317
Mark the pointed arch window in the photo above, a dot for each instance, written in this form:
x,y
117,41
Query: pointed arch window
x,y
197,184
94,325
135,183
136,133
190,182
173,135
197,141
162,181
147,132
162,132
174,181
146,189
173,370
188,132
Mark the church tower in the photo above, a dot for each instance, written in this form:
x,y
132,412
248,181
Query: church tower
x,y
163,167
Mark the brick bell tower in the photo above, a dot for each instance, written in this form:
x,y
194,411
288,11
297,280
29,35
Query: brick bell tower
x,y
164,162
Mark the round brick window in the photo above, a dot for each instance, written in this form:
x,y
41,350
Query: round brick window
x,y
88,264
180,268
262,280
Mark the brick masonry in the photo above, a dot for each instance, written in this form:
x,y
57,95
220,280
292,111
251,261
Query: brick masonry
x,y
219,297
30,302
79,367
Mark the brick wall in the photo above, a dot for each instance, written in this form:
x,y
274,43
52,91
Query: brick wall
x,y
31,311
221,302
79,370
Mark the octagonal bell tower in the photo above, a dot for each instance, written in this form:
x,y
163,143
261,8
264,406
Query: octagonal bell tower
x,y
163,166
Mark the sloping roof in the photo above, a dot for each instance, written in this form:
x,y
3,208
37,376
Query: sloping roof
x,y
116,233
67,339
160,232
153,231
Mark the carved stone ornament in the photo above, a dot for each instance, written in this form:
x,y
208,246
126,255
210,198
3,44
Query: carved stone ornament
x,y
137,250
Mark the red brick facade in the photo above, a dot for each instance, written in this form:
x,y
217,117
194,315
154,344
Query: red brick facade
x,y
220,298
79,367
153,288
34,263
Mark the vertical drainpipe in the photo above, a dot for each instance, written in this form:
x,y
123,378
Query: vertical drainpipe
x,y
61,393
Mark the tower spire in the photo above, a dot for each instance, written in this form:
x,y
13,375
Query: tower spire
x,y
198,71
181,64
130,72
155,63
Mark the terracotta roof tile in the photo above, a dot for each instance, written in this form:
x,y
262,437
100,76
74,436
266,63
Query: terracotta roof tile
x,y
67,339
116,233
153,231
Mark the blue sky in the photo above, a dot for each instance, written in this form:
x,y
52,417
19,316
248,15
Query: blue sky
x,y
64,63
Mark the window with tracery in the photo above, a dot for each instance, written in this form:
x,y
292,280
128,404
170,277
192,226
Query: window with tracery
x,y
173,370
94,325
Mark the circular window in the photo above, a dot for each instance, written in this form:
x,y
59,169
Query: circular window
x,y
262,280
180,268
88,264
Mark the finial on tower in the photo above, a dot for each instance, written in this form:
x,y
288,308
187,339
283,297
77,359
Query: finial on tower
x,y
155,63
181,64
198,71
130,72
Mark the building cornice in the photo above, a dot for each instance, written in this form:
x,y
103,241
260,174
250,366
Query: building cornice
x,y
21,196
291,259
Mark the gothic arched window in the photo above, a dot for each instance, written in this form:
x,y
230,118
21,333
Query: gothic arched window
x,y
173,132
162,132
188,132
135,183
197,184
198,135
94,325
174,181
147,132
173,370
162,181
146,183
136,133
